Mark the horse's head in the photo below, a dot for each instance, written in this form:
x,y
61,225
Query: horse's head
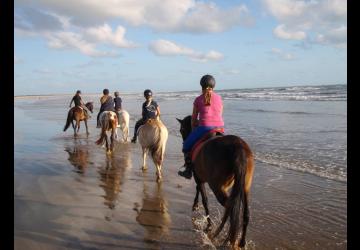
x,y
90,106
185,126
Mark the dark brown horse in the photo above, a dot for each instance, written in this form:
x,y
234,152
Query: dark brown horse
x,y
224,162
78,114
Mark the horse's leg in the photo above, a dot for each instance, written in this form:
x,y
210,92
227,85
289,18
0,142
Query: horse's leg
x,y
205,204
246,216
195,206
144,167
74,128
220,195
86,126
107,143
158,173
112,137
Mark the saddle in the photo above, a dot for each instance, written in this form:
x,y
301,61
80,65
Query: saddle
x,y
212,134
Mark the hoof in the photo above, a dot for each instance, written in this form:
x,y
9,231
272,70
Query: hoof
x,y
108,152
143,168
242,243
158,179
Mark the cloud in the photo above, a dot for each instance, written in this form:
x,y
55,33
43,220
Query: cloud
x,y
321,22
282,55
168,48
105,35
71,40
159,15
280,32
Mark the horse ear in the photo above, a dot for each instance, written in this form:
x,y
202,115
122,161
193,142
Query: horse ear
x,y
179,120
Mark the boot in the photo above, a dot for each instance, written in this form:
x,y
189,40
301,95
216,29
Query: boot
x,y
187,173
133,140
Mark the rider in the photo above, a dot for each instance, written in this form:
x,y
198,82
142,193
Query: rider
x,y
79,102
107,104
207,115
150,110
117,101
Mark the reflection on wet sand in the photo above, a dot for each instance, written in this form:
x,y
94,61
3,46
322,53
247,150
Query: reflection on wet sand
x,y
153,215
112,175
78,157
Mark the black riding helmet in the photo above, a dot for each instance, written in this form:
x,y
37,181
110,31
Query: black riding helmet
x,y
116,93
105,91
78,92
147,93
207,81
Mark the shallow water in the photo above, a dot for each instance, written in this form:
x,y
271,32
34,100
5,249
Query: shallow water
x,y
70,195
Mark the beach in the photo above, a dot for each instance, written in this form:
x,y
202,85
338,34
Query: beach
x,y
68,194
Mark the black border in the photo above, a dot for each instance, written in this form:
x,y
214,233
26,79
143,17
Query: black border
x,y
7,125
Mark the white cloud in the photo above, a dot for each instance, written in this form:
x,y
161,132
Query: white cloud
x,y
71,40
160,15
104,34
322,21
280,32
168,48
281,54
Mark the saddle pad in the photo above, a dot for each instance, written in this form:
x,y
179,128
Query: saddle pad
x,y
199,144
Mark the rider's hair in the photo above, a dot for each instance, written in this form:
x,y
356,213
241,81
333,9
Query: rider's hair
x,y
105,91
207,96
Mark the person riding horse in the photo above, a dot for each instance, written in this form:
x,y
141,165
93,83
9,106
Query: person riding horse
x,y
79,103
150,110
206,116
107,104
118,108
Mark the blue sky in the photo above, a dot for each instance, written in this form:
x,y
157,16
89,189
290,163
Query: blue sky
x,y
167,45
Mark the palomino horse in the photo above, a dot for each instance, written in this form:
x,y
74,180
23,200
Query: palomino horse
x,y
108,121
153,136
124,119
224,162
78,114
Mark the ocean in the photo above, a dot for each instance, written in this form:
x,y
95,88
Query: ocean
x,y
69,194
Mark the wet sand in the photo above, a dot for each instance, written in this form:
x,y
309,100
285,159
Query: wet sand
x,y
70,195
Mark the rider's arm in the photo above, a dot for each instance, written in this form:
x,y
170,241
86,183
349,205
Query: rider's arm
x,y
194,120
71,102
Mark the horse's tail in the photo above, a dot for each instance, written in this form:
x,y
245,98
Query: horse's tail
x,y
68,120
233,203
157,149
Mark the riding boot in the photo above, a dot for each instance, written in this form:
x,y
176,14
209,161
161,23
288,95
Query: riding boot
x,y
187,173
133,140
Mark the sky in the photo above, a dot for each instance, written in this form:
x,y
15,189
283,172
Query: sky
x,y
168,45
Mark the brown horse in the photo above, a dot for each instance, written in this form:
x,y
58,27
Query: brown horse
x,y
108,121
153,136
78,114
224,162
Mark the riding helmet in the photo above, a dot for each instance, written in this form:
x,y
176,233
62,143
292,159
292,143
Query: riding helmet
x,y
207,81
116,93
147,93
78,92
105,91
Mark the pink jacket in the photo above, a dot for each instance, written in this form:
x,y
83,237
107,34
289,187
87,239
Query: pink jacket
x,y
210,115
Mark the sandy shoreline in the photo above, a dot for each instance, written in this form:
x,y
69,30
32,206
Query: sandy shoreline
x,y
70,195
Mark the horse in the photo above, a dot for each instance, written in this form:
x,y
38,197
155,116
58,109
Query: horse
x,y
78,114
223,162
124,119
153,136
108,121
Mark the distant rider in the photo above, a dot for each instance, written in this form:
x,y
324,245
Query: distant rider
x,y
107,104
79,103
150,110
118,108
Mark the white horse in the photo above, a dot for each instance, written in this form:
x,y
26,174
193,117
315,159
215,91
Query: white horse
x,y
124,119
108,121
153,136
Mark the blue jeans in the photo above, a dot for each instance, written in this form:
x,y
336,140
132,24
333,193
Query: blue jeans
x,y
194,136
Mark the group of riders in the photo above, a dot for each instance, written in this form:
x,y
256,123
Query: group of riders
x,y
206,115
